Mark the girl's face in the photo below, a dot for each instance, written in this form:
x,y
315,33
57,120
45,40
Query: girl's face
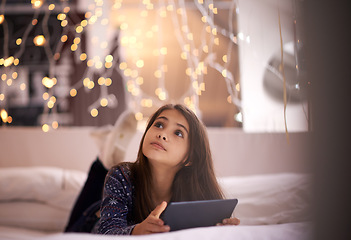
x,y
166,143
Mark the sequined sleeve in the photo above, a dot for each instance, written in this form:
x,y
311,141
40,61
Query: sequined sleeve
x,y
117,202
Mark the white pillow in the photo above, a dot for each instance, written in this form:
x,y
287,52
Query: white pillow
x,y
271,198
33,215
55,186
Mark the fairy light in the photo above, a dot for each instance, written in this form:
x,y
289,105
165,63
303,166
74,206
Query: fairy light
x,y
140,63
45,127
83,56
37,3
4,115
8,61
54,124
94,112
46,96
39,40
73,92
108,82
18,41
101,81
103,102
51,7
192,55
139,116
49,82
2,18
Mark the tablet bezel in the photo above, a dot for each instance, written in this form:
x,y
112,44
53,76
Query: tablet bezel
x,y
191,214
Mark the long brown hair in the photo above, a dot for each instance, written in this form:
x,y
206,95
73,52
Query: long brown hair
x,y
194,181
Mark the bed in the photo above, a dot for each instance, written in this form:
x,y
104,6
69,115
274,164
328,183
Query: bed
x,y
41,175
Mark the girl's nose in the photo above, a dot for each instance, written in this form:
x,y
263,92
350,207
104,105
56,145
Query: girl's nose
x,y
162,137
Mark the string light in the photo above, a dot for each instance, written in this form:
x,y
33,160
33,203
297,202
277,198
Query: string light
x,y
39,40
196,57
37,3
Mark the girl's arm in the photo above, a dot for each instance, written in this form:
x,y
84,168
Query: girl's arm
x,y
116,204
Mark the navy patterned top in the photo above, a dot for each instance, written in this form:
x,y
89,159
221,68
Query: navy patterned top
x,y
117,202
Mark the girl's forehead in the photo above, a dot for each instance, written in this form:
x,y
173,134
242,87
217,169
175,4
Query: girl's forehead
x,y
174,116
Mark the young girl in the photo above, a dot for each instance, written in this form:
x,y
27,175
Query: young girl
x,y
174,163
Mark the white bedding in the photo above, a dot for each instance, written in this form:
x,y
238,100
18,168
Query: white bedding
x,y
287,231
35,203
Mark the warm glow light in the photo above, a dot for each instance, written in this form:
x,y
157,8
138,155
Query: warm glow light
x,y
39,40
37,3
61,16
3,115
79,29
45,127
83,57
46,96
57,56
9,119
51,7
163,50
109,58
108,64
73,92
64,38
54,124
91,85
50,104
49,82
225,58
84,23
224,73
140,63
16,62
139,116
66,9
162,96
237,87
103,102
64,23
8,61
2,18
108,81
74,47
18,41
101,81
94,112
139,80
76,40
23,86
2,97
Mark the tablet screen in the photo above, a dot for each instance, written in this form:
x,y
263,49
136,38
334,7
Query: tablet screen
x,y
183,215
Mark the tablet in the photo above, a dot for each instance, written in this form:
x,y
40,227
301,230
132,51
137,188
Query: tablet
x,y
183,215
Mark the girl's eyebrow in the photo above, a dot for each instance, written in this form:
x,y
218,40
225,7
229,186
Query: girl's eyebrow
x,y
180,125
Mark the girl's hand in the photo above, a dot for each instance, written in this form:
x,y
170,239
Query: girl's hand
x,y
153,223
229,221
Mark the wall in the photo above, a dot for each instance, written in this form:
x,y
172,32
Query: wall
x,y
258,25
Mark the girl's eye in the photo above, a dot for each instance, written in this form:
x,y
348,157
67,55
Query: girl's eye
x,y
179,133
158,125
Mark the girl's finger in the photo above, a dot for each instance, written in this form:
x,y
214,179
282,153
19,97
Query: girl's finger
x,y
159,209
154,228
231,221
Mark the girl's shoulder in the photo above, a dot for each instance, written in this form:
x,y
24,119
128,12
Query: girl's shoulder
x,y
122,170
